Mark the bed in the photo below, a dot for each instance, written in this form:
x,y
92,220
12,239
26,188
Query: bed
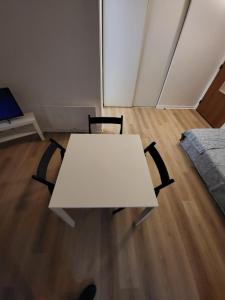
x,y
206,148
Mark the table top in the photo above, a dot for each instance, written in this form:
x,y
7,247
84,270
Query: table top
x,y
104,170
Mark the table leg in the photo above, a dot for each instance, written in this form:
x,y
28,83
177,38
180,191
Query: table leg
x,y
143,215
38,129
60,212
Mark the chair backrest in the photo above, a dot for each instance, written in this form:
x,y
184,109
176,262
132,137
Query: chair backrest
x,y
42,168
105,120
164,175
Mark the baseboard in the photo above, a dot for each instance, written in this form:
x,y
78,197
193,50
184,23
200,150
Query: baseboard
x,y
175,107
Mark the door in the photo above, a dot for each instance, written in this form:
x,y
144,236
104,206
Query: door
x,y
212,106
123,29
139,40
164,23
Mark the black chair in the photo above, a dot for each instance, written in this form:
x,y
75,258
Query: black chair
x,y
105,120
43,164
164,176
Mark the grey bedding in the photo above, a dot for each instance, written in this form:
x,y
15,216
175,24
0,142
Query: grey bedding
x,y
206,149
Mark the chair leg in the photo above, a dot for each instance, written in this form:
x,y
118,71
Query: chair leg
x,y
143,215
117,210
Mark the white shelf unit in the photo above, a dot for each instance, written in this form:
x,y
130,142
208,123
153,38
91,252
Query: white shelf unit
x,y
19,127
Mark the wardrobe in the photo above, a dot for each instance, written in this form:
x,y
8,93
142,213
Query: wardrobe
x,y
160,52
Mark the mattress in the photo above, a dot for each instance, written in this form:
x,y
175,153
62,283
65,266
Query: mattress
x,y
206,149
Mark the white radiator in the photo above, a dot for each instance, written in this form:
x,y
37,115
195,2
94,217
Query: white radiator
x,y
68,118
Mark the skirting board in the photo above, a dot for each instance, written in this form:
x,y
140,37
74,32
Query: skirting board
x,y
175,107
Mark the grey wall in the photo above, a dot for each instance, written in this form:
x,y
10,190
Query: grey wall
x,y
49,53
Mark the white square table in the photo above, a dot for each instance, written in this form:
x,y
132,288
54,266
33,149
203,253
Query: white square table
x,y
102,170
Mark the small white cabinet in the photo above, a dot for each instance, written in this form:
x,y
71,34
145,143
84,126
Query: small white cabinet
x,y
19,127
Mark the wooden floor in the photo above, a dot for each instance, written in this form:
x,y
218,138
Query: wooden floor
x,y
177,254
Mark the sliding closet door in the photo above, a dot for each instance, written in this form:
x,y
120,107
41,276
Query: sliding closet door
x,y
164,23
123,29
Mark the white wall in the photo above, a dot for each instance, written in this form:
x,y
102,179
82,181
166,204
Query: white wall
x,y
200,51
123,29
163,26
49,54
